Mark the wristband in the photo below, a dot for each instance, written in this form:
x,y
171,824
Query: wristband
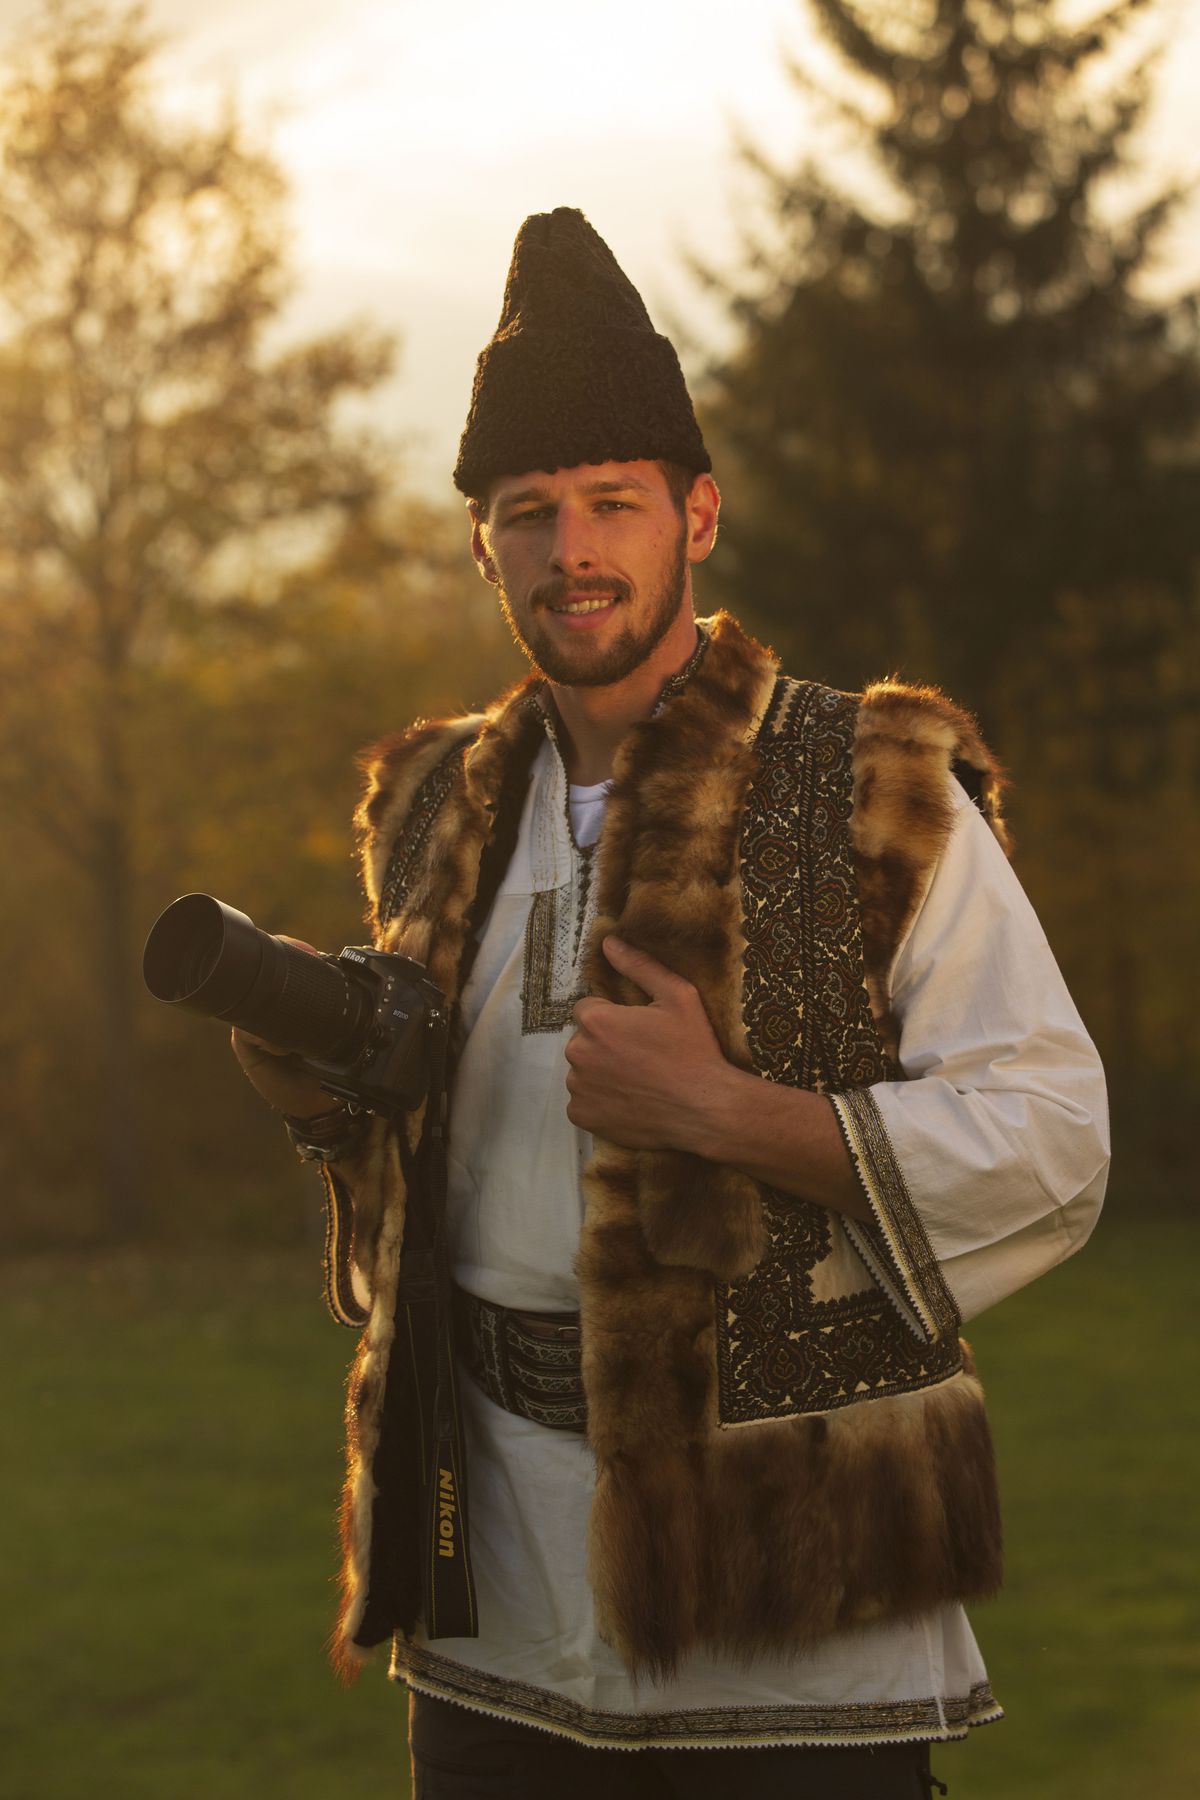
x,y
327,1136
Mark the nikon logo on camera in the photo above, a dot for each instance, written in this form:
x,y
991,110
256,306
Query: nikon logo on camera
x,y
447,1512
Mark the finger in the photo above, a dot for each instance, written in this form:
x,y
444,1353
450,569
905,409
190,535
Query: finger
x,y
298,943
244,1041
580,1113
653,977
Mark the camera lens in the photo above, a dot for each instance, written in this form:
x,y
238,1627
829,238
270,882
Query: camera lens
x,y
198,962
211,959
194,958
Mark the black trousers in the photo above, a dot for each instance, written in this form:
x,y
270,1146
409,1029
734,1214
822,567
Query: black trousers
x,y
462,1755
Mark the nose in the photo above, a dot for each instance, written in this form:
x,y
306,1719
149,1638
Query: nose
x,y
572,552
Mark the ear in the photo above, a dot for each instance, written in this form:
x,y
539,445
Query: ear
x,y
701,510
479,546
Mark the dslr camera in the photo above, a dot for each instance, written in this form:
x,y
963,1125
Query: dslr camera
x,y
366,1022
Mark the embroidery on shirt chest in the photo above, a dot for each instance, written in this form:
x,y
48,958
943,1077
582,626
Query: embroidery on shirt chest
x,y
561,918
555,934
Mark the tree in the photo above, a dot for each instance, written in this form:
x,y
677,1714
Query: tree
x,y
161,469
952,399
959,430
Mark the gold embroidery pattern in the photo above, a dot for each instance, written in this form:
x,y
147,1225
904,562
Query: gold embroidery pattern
x,y
780,1350
555,933
339,1238
806,1004
861,1722
896,1234
413,835
782,1353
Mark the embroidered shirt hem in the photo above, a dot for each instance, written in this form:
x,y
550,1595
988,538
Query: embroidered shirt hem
x,y
929,1719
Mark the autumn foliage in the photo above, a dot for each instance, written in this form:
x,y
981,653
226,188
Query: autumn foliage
x,y
956,424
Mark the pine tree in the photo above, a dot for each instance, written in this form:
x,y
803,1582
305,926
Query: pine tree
x,y
958,434
952,402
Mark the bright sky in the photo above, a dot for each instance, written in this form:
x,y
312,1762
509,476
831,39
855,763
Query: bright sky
x,y
418,135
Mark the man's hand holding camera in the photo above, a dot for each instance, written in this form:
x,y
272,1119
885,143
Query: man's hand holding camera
x,y
281,1078
319,1125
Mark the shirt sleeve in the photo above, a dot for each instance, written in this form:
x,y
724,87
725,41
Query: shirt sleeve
x,y
986,1165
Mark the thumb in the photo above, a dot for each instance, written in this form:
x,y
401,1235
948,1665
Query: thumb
x,y
653,977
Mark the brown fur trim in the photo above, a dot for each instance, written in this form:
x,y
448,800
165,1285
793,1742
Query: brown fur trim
x,y
762,1537
394,769
364,1398
767,1537
667,883
431,928
906,744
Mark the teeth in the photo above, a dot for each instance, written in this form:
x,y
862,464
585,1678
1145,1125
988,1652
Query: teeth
x,y
582,606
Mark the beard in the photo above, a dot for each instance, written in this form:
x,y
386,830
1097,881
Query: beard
x,y
580,665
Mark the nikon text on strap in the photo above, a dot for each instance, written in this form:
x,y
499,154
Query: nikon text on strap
x,y
447,1588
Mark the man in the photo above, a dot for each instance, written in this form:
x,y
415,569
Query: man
x,y
762,1077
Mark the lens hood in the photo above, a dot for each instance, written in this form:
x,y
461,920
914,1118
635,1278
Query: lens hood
x,y
203,956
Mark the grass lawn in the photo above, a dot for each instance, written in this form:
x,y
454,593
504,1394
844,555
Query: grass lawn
x,y
1094,1646
171,1462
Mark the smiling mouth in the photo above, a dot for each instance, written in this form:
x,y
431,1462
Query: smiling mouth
x,y
585,606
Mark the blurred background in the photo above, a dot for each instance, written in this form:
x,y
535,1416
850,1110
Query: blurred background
x,y
934,270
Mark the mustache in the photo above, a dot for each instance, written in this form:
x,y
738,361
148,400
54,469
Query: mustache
x,y
554,590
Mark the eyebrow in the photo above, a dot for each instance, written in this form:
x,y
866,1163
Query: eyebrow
x,y
593,487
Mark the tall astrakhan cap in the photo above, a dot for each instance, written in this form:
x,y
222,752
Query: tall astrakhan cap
x,y
575,373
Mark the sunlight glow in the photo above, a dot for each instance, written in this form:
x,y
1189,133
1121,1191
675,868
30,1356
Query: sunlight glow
x,y
417,137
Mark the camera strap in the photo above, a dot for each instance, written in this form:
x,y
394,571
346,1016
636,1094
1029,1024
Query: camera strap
x,y
425,1491
448,1588
420,1469
448,1584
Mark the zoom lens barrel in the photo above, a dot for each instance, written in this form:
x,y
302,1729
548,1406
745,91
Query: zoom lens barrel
x,y
210,959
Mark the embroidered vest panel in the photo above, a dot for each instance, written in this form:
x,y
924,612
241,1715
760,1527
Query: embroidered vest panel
x,y
809,1328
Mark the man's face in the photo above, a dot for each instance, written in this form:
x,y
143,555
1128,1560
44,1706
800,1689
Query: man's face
x,y
591,565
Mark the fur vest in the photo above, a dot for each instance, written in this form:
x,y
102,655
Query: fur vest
x,y
789,1435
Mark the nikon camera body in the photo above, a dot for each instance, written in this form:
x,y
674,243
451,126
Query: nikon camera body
x,y
363,1022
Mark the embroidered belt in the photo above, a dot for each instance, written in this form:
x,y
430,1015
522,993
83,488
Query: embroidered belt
x,y
529,1363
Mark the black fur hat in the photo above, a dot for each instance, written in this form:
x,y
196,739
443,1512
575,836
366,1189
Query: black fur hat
x,y
576,373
